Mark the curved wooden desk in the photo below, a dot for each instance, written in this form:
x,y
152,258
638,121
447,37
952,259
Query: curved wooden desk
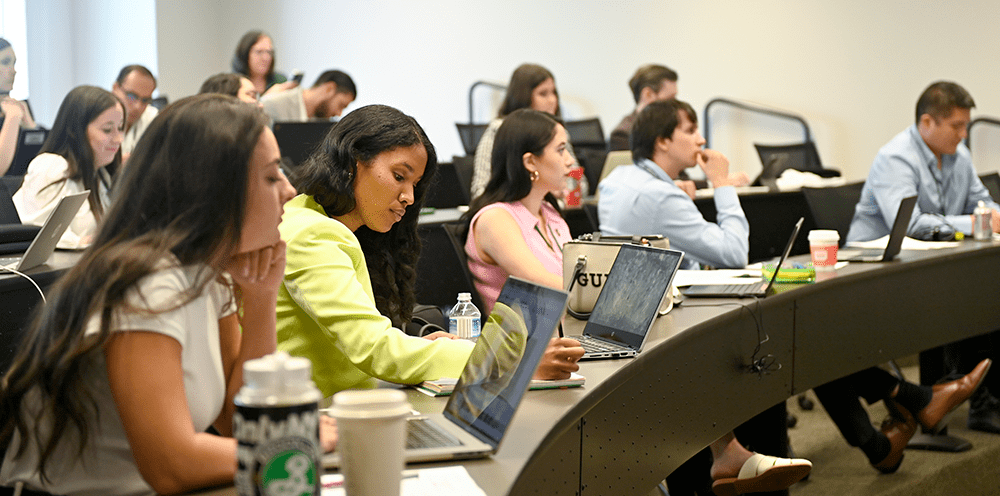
x,y
636,420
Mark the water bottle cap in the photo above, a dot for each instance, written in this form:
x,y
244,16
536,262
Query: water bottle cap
x,y
278,379
982,203
464,296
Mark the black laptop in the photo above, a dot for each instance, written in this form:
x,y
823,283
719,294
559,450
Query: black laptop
x,y
896,237
756,290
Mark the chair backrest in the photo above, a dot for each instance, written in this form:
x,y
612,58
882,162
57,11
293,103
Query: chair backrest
x,y
442,270
587,132
833,208
463,169
470,135
446,190
775,159
297,140
613,160
992,183
8,212
29,143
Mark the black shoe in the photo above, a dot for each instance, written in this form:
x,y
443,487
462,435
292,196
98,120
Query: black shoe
x,y
984,419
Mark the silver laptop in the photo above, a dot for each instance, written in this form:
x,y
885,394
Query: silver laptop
x,y
896,237
44,244
494,380
756,290
624,312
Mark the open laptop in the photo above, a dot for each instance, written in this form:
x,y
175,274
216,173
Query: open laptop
x,y
756,290
896,236
494,380
45,242
629,302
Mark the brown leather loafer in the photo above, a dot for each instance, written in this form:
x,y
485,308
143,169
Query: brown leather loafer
x,y
899,432
949,395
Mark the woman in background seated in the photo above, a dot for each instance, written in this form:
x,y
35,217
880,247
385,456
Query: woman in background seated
x,y
254,58
228,83
13,113
81,152
515,229
141,345
352,251
531,86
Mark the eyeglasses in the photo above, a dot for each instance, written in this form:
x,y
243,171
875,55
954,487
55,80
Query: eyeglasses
x,y
136,98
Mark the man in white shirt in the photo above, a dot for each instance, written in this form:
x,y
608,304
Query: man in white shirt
x,y
134,87
329,95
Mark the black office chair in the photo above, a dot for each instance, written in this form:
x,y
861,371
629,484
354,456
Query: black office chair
x,y
775,159
470,135
463,169
992,183
442,270
447,190
587,132
833,208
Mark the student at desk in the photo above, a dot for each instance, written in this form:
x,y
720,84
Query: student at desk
x,y
140,347
14,114
515,229
81,152
930,160
644,199
352,247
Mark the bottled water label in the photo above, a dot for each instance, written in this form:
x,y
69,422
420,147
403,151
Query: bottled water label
x,y
465,327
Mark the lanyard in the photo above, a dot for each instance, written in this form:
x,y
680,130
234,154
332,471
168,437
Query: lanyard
x,y
547,243
642,165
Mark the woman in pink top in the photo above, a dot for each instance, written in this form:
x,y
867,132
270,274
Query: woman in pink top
x,y
515,226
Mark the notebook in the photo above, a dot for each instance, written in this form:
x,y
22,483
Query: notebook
x,y
629,302
758,290
895,238
45,242
494,381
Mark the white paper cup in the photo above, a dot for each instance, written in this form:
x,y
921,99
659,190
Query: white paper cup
x,y
823,247
371,425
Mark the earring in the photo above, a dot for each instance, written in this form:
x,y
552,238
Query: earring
x,y
534,175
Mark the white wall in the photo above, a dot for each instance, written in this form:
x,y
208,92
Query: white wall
x,y
74,42
852,68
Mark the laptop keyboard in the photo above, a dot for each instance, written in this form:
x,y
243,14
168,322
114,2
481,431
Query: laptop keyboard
x,y
592,345
423,433
738,288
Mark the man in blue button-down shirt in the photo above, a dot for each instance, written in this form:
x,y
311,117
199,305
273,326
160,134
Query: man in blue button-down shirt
x,y
929,160
643,199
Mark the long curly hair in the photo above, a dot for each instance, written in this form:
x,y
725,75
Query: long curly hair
x,y
329,175
183,195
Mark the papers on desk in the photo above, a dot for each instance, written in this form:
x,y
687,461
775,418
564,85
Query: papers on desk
x,y
422,482
908,244
686,278
740,190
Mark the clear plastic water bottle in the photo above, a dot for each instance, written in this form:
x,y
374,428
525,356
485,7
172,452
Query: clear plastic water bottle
x,y
982,227
464,319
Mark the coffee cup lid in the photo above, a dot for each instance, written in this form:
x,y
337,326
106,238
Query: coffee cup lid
x,y
824,235
370,403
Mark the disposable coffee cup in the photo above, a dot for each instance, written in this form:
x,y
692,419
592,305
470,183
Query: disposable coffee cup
x,y
823,247
371,425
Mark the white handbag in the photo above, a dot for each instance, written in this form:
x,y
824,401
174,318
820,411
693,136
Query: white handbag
x,y
588,260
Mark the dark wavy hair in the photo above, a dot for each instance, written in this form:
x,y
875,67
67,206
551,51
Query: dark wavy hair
x,y
226,83
524,130
523,81
329,174
68,139
182,195
241,58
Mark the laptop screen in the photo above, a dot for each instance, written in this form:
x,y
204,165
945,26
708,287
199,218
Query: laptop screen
x,y
512,342
631,296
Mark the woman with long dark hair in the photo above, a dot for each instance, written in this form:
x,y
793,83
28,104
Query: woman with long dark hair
x,y
82,152
140,347
352,251
531,86
254,58
514,227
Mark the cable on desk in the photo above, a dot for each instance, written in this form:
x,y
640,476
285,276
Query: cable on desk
x,y
581,263
32,281
760,365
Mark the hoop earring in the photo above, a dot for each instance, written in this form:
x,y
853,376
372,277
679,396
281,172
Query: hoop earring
x,y
534,175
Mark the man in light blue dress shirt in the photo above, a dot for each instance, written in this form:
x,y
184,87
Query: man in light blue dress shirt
x,y
929,160
643,199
